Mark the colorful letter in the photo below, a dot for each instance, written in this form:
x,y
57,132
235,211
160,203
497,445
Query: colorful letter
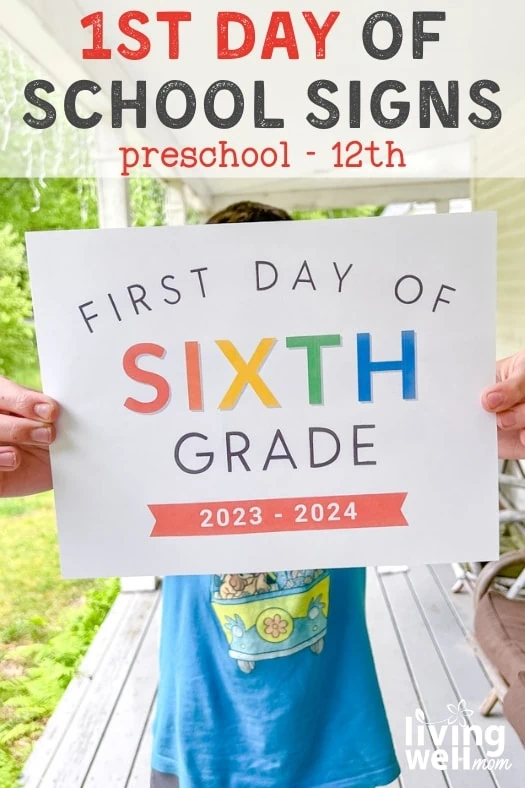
x,y
247,373
313,347
224,19
134,372
407,365
194,376
273,40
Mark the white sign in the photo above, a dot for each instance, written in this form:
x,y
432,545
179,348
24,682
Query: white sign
x,y
284,395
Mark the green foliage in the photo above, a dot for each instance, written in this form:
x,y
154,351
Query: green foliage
x,y
362,211
54,204
13,507
28,700
12,259
29,206
46,625
9,770
17,346
147,202
192,217
71,204
30,377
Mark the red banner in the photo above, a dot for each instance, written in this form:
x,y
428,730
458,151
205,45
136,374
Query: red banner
x,y
338,512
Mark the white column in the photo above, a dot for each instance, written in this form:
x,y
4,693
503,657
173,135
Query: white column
x,y
114,208
113,203
174,204
175,213
114,211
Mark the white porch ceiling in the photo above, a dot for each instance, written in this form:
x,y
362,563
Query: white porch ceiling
x,y
326,194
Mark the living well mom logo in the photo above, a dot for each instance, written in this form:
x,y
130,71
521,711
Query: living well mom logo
x,y
457,743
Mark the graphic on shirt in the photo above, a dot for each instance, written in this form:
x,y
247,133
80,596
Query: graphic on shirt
x,y
271,614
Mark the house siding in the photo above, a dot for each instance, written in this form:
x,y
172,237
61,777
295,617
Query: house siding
x,y
507,198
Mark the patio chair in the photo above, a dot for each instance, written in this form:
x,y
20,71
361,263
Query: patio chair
x,y
512,528
499,627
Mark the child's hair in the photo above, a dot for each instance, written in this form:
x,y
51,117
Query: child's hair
x,y
249,212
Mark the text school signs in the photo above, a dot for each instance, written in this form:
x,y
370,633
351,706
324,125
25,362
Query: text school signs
x,y
285,395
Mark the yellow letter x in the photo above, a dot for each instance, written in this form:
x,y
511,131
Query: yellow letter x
x,y
247,373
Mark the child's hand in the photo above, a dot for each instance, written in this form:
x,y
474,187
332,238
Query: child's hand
x,y
27,420
507,400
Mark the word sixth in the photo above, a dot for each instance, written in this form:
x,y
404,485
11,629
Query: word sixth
x,y
248,373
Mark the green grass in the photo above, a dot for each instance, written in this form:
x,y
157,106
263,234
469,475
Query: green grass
x,y
30,589
29,376
10,507
46,626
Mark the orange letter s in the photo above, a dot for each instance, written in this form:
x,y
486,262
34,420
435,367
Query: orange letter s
x,y
134,372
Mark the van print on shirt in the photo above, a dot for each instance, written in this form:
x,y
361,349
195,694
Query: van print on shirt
x,y
271,614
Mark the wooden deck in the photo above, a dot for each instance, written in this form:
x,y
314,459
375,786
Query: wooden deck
x,y
100,735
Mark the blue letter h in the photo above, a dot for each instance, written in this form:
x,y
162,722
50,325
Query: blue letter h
x,y
366,367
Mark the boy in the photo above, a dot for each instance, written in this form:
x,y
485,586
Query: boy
x,y
303,708
291,720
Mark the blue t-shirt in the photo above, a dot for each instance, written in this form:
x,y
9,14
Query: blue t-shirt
x,y
267,681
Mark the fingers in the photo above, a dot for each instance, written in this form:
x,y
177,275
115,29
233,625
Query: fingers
x,y
513,419
505,395
26,419
520,440
9,458
27,403
511,445
19,432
